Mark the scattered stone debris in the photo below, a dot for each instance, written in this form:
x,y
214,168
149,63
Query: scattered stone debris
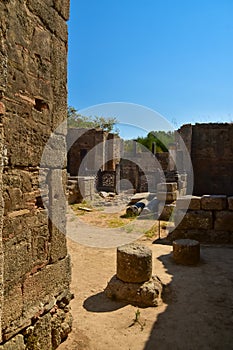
x,y
84,208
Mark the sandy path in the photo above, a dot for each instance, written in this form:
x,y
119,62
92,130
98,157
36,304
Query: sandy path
x,y
197,312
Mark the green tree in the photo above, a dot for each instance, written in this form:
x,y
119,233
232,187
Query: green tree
x,y
161,138
76,120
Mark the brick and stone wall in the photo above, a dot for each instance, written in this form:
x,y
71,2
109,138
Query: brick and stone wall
x,y
208,219
35,269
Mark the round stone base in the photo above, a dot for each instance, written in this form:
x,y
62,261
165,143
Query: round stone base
x,y
139,294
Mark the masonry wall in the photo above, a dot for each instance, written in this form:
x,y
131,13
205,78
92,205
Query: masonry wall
x,y
208,219
33,92
211,150
92,149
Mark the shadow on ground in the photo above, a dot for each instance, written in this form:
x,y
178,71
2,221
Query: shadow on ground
x,y
100,303
199,314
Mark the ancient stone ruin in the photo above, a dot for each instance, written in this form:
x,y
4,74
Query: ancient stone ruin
x,y
35,267
134,281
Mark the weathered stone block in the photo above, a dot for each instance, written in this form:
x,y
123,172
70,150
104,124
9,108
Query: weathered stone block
x,y
182,184
167,187
54,154
20,140
50,17
63,7
42,286
165,211
213,202
186,251
189,202
17,258
58,248
57,198
230,203
40,337
12,306
167,196
16,343
134,263
140,294
224,221
196,234
194,219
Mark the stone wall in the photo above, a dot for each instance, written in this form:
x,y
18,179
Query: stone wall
x,y
211,150
90,150
208,219
33,92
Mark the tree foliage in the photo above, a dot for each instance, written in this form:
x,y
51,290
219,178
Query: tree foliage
x,y
76,120
161,138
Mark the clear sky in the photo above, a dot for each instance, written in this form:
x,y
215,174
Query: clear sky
x,y
173,56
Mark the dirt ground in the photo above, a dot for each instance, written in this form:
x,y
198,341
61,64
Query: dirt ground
x,y
197,309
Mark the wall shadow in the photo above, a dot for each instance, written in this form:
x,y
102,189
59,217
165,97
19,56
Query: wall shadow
x,y
199,304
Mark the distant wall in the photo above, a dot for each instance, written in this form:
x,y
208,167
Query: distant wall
x,y
85,158
33,94
211,150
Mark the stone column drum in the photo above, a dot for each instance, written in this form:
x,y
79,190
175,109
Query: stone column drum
x,y
186,251
133,281
134,263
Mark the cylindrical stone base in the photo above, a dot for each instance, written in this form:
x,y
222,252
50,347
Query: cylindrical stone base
x,y
186,251
134,263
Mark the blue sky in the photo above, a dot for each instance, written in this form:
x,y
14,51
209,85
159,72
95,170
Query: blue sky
x,y
173,56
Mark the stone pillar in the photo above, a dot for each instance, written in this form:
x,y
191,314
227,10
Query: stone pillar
x,y
186,251
134,263
134,282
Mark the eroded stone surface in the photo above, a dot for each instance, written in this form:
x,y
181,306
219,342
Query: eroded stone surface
x,y
140,294
186,251
134,263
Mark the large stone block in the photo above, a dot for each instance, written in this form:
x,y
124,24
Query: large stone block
x,y
167,187
189,202
213,202
41,287
54,153
224,221
165,212
194,219
17,257
12,306
41,336
196,234
140,294
168,197
20,140
186,251
58,247
57,198
134,263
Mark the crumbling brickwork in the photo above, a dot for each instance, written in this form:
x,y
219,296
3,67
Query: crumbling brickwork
x,y
33,92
